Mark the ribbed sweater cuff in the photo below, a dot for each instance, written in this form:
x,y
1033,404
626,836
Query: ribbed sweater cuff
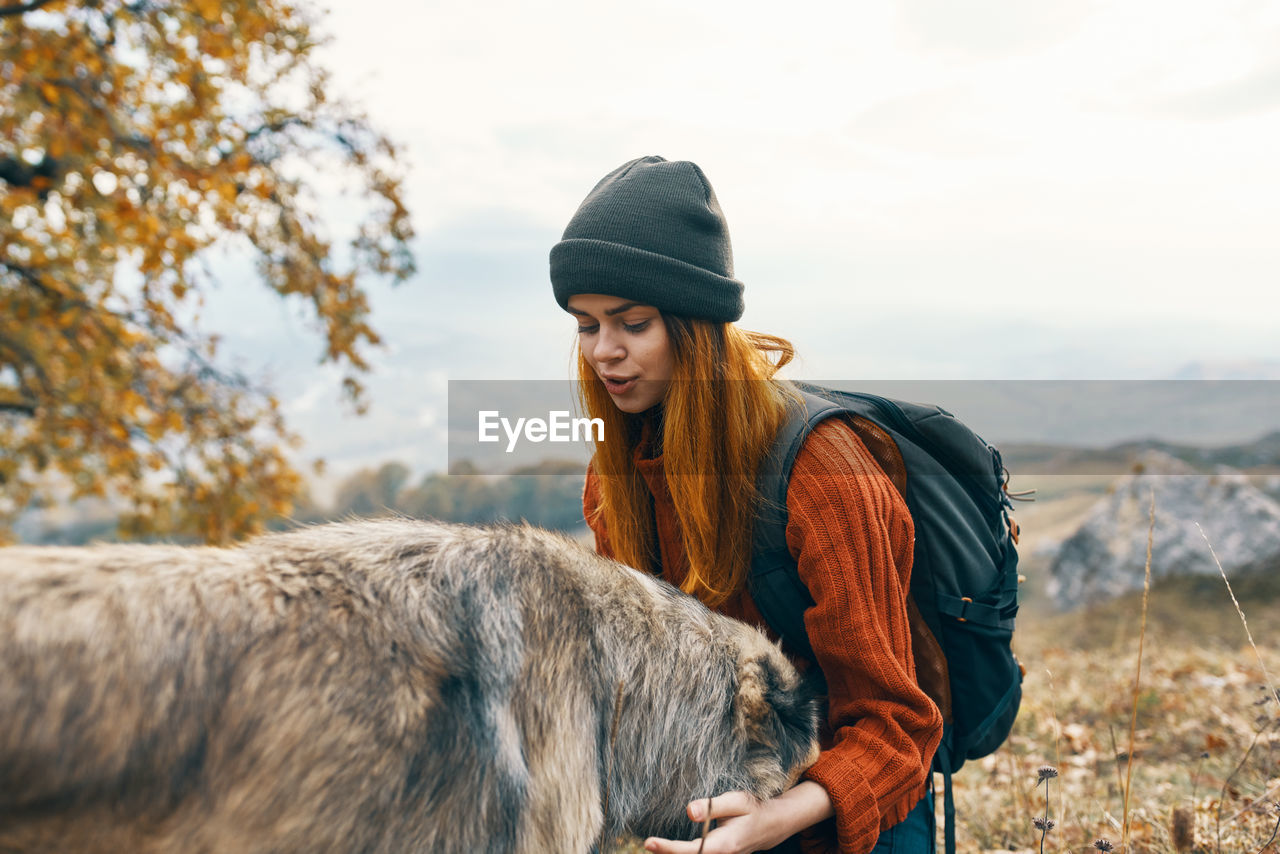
x,y
859,819
857,814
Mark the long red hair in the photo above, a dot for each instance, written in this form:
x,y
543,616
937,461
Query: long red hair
x,y
716,423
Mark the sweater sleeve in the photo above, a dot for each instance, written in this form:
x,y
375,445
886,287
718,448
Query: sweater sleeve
x,y
590,511
852,537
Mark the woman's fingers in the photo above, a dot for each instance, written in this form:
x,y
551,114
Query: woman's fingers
x,y
721,840
718,842
722,806
669,846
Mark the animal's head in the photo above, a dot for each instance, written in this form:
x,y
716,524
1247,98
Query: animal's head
x,y
713,706
747,723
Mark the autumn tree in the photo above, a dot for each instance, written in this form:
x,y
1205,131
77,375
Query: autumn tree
x,y
369,492
135,136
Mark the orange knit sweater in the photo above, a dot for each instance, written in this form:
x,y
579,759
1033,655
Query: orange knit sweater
x,y
852,537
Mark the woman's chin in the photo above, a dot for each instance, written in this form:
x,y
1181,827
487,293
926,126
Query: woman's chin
x,y
634,404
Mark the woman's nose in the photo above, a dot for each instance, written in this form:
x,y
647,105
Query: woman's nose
x,y
608,346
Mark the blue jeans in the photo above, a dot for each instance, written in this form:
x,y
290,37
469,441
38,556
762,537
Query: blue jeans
x,y
913,835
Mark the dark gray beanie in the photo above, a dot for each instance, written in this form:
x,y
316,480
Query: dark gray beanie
x,y
651,231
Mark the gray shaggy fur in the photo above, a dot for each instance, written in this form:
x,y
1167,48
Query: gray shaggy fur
x,y
373,686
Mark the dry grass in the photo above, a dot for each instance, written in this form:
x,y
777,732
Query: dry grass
x,y
1206,755
1199,714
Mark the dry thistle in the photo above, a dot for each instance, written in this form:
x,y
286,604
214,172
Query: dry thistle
x,y
1103,845
1195,779
1043,823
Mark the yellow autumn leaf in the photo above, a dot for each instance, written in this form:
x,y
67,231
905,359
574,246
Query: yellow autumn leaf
x,y
210,10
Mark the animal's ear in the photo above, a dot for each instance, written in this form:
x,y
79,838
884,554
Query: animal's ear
x,y
795,704
778,709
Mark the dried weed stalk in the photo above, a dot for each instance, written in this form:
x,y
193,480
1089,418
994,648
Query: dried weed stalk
x,y
1261,663
706,827
613,738
1137,678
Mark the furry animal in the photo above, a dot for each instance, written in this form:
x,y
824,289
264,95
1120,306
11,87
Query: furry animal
x,y
374,686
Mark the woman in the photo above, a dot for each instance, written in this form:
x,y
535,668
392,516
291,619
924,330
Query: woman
x,y
691,406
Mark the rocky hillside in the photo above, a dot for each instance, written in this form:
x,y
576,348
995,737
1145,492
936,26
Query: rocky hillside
x,y
1106,555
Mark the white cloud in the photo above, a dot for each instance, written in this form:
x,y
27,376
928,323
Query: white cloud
x,y
1084,187
979,28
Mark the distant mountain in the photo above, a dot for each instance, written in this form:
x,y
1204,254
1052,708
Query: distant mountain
x,y
1259,456
1097,413
1251,369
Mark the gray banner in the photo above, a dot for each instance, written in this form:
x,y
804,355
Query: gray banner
x,y
1040,427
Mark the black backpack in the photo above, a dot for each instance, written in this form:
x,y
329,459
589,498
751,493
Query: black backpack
x,y
964,578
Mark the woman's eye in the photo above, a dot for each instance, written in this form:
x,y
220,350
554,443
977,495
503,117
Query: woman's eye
x,y
587,330
636,327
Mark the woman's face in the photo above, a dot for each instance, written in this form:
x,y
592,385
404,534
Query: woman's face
x,y
627,345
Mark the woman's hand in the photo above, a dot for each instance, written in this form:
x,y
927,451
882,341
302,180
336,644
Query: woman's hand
x,y
744,824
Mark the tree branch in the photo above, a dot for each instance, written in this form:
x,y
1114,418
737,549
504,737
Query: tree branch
x,y
31,277
26,359
22,8
135,141
21,408
276,127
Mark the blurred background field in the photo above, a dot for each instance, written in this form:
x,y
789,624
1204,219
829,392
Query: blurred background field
x,y
1207,736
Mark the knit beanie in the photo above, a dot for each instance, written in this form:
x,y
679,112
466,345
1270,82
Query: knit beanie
x,y
651,231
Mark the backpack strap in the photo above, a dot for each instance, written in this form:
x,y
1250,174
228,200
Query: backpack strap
x,y
776,588
782,597
942,763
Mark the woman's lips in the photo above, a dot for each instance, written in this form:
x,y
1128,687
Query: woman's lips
x,y
619,386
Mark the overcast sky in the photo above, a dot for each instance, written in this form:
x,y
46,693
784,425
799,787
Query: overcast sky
x,y
920,189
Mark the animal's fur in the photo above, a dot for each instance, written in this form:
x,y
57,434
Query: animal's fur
x,y
372,686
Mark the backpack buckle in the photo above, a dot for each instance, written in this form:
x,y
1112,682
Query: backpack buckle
x,y
967,602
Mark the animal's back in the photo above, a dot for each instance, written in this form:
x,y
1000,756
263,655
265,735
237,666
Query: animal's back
x,y
380,686
274,697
